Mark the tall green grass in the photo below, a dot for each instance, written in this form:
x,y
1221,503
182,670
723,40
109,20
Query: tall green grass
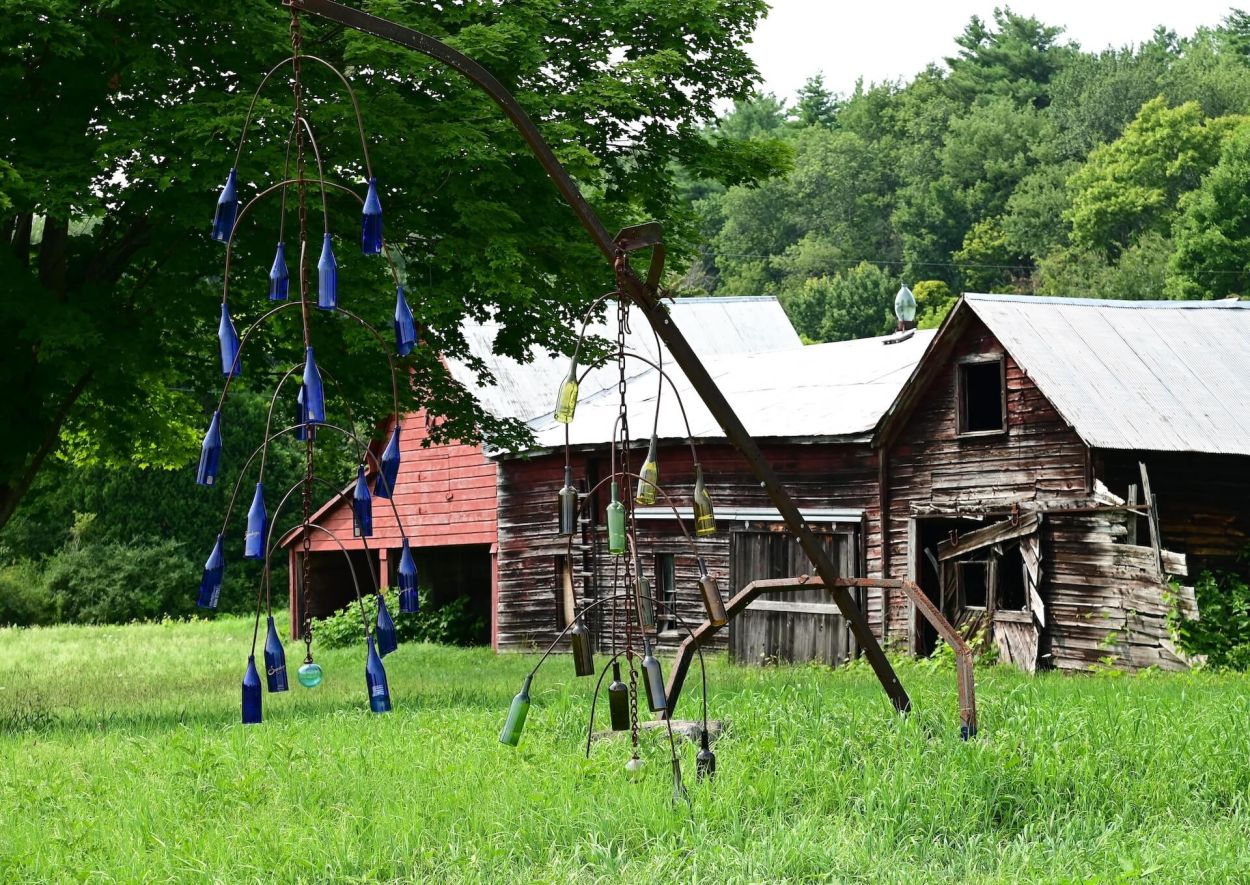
x,y
121,759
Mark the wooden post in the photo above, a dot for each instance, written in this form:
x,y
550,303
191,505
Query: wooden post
x,y
1152,518
1131,538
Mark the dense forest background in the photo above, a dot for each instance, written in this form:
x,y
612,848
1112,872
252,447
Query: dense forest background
x,y
1022,164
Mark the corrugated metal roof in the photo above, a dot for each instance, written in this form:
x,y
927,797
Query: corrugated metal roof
x,y
713,326
838,391
1150,375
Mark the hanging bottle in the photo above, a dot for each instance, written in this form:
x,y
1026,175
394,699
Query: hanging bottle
x,y
327,276
210,453
566,400
520,709
618,700
568,503
214,573
704,517
257,526
371,221
616,522
314,393
227,209
228,338
384,629
409,600
653,678
645,600
705,761
648,476
405,325
712,601
279,276
583,654
251,693
388,464
275,659
362,506
375,680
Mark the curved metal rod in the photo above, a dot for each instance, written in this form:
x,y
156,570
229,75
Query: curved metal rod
x,y
360,125
663,377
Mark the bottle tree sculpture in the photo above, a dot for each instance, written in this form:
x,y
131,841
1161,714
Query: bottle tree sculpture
x,y
291,287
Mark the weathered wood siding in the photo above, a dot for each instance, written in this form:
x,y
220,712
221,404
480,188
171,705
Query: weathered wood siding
x,y
931,469
818,476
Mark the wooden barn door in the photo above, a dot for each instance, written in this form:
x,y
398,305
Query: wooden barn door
x,y
796,625
991,579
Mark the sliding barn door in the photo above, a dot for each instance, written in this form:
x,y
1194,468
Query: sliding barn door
x,y
790,626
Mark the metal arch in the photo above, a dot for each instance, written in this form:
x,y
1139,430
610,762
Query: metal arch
x,y
645,297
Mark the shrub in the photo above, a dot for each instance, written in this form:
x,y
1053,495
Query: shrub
x,y
453,623
1223,631
107,582
24,597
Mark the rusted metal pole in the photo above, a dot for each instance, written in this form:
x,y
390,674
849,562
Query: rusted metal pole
x,y
646,299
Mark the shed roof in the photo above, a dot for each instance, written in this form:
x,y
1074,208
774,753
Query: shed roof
x,y
1137,375
836,391
527,391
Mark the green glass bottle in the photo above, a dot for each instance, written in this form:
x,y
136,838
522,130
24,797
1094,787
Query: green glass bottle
x,y
583,654
704,516
566,401
712,601
653,678
616,522
568,503
511,734
644,599
618,700
648,476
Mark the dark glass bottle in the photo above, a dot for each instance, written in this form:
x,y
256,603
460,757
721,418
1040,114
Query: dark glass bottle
x,y
275,659
711,597
384,629
583,654
705,761
568,503
653,679
618,700
512,728
251,693
375,680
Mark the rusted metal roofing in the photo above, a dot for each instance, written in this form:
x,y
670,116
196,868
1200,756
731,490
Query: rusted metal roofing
x,y
835,391
527,391
1151,375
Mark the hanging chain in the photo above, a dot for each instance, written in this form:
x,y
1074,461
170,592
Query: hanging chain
x,y
633,701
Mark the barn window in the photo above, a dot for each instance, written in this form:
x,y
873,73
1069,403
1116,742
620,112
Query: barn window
x,y
666,590
981,400
973,584
1012,594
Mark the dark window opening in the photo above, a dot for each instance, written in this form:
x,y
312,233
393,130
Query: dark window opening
x,y
981,407
1012,594
665,590
973,584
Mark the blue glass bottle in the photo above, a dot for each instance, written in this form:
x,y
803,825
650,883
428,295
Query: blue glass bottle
x,y
275,659
375,681
227,209
251,693
214,572
228,338
327,277
385,629
279,276
210,453
314,393
388,473
304,430
362,506
371,221
405,326
409,602
257,526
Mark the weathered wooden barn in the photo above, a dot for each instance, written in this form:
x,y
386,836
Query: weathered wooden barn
x,y
1045,466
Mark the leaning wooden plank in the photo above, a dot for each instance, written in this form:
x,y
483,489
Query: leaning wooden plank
x,y
990,534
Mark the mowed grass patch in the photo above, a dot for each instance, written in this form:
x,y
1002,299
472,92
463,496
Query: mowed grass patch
x,y
122,759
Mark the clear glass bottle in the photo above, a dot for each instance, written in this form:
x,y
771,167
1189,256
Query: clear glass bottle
x,y
616,522
653,678
712,601
568,503
566,400
648,476
515,724
704,516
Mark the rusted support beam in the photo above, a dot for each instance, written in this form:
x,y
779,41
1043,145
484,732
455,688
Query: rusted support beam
x,y
965,682
646,299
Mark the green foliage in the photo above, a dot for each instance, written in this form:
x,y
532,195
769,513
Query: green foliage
x,y
24,597
123,755
1016,57
1140,273
1222,632
857,303
934,301
1213,229
452,623
106,582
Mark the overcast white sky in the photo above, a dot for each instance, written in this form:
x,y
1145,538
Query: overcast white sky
x,y
889,39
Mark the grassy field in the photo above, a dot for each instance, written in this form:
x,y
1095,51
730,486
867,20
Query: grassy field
x,y
121,759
